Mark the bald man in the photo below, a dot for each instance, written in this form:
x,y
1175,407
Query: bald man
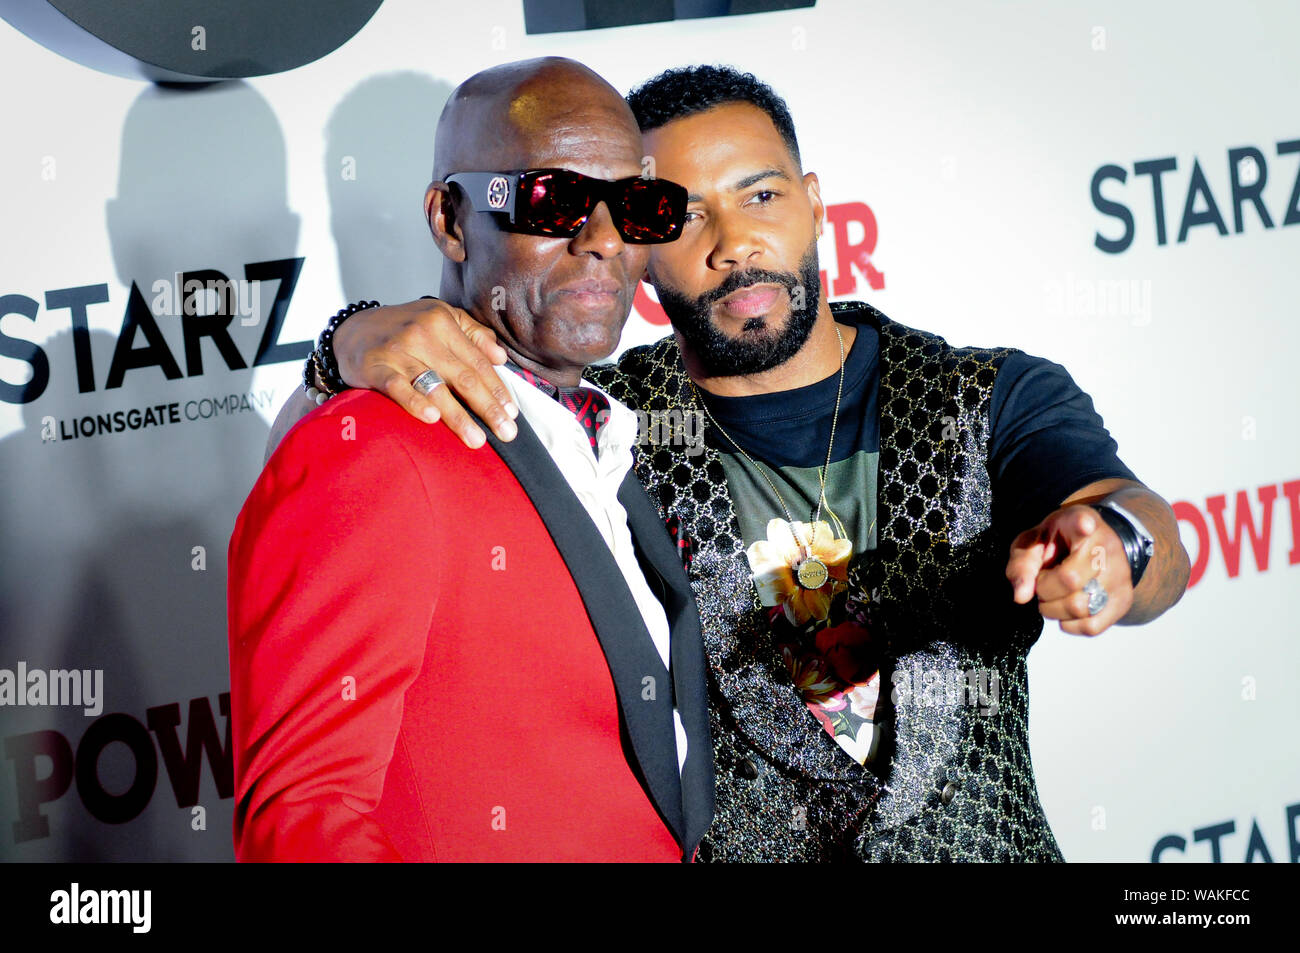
x,y
442,654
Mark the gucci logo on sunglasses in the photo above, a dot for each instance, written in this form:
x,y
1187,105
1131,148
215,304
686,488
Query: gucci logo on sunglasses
x,y
498,191
557,202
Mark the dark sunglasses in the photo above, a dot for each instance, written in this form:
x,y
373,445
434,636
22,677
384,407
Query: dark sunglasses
x,y
558,202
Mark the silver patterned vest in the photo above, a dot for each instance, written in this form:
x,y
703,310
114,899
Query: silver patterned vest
x,y
952,780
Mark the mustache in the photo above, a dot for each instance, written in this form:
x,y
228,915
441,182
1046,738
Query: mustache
x,y
743,279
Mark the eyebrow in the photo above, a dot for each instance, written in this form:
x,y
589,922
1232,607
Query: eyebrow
x,y
746,182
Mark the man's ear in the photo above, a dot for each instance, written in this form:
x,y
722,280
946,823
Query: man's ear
x,y
814,190
444,226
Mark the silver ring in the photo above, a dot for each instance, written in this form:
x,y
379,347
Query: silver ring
x,y
426,382
1096,596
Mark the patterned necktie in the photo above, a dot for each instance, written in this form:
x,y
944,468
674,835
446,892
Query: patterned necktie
x,y
589,406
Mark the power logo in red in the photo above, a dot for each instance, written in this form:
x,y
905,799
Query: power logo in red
x,y
1232,524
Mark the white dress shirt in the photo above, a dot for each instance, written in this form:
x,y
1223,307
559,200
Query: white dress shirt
x,y
596,481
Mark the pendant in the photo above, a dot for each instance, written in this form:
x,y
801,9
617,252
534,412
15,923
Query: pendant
x,y
811,573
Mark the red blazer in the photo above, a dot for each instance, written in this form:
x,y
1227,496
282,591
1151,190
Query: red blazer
x,y
434,656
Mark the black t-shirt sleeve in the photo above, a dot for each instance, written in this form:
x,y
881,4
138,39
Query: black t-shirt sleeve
x,y
1046,441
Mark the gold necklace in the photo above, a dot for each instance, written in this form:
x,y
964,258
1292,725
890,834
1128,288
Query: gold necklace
x,y
810,572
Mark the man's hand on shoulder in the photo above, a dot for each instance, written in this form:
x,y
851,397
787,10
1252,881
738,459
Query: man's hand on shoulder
x,y
384,349
1073,545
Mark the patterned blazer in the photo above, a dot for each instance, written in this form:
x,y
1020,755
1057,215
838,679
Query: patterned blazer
x,y
952,780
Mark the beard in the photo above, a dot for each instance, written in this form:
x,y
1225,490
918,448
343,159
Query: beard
x,y
758,348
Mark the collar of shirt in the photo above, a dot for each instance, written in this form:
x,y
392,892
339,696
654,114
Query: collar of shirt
x,y
561,434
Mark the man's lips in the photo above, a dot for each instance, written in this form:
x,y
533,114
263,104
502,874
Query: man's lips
x,y
751,301
593,292
593,286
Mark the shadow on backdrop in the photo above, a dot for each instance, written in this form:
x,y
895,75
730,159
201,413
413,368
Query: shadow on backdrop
x,y
378,162
101,531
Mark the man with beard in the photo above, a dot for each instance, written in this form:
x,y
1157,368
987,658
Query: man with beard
x,y
866,493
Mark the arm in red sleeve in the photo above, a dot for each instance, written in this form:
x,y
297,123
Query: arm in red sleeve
x,y
331,598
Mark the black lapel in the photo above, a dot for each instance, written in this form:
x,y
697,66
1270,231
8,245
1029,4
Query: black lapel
x,y
614,616
687,655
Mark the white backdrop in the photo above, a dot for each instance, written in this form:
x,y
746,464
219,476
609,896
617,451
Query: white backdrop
x,y
971,131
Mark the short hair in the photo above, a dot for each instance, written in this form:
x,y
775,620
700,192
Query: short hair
x,y
687,90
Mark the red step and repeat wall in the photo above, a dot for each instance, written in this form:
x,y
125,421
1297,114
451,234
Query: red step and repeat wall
x,y
1113,186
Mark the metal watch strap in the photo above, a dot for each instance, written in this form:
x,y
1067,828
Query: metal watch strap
x,y
1137,542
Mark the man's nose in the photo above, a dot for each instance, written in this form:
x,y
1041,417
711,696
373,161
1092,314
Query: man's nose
x,y
735,245
598,235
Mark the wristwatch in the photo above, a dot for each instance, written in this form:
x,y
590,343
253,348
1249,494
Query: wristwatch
x,y
1139,544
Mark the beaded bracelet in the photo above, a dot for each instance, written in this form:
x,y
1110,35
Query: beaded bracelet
x,y
322,360
309,382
